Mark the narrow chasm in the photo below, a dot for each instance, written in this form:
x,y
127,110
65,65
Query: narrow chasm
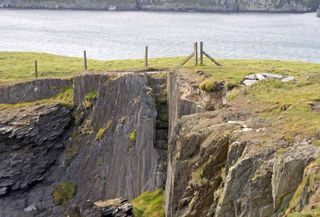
x,y
158,83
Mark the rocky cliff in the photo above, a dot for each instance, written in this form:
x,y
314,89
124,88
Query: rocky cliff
x,y
53,157
223,159
207,5
231,163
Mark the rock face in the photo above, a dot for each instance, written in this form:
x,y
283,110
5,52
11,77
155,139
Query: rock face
x,y
220,164
124,161
207,5
220,161
114,147
216,167
33,90
31,141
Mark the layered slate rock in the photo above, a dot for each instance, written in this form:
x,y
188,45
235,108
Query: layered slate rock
x,y
29,143
112,148
124,160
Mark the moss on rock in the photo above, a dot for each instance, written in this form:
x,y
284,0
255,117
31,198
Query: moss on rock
x,y
64,192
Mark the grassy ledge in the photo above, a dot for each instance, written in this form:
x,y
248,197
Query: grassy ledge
x,y
64,98
149,204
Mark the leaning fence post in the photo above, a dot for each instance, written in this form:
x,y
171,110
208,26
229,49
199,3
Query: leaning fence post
x,y
36,69
146,57
196,53
85,60
201,53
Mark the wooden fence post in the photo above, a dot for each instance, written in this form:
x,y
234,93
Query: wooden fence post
x,y
36,69
85,60
210,58
196,53
201,53
146,57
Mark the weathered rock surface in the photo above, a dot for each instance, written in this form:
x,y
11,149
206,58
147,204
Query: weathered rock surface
x,y
31,141
221,163
113,148
115,164
109,208
33,90
217,167
208,5
185,99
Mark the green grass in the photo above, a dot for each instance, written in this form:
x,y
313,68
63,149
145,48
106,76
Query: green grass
x,y
18,66
64,98
149,204
209,85
306,213
132,136
100,134
91,95
64,192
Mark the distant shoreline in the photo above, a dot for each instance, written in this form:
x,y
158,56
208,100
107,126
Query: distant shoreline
x,y
180,10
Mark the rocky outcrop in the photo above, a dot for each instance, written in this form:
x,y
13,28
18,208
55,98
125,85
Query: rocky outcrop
x,y
306,197
124,161
31,141
33,90
185,98
207,5
216,167
220,160
111,148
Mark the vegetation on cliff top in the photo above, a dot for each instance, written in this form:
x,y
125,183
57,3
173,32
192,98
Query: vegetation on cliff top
x,y
286,106
17,66
149,204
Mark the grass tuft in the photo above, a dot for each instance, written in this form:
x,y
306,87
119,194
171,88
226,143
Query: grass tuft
x,y
64,192
132,136
149,204
100,134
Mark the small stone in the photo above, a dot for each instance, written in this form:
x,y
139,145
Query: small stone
x,y
272,76
3,191
260,76
30,208
251,77
287,79
249,82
